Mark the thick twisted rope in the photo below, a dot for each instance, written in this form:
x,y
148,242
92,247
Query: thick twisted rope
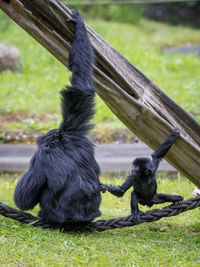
x,y
102,225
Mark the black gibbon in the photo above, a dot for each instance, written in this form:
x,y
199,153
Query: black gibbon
x,y
142,178
63,176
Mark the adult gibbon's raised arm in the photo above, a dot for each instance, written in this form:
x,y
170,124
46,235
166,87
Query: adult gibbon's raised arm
x,y
64,176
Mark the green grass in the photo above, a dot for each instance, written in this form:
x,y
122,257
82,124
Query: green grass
x,y
172,241
177,75
43,76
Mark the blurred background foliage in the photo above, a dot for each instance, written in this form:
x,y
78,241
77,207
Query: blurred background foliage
x,y
171,12
120,13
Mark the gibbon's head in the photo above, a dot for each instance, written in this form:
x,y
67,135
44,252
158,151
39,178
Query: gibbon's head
x,y
141,168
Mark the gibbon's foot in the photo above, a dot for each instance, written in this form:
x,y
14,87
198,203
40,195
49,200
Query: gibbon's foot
x,y
178,200
141,213
73,19
136,218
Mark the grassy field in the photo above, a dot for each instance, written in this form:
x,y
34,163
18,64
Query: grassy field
x,y
43,76
172,241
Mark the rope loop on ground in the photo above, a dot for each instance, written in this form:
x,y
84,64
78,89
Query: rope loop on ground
x,y
103,225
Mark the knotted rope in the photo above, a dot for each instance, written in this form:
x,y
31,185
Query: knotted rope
x,y
102,225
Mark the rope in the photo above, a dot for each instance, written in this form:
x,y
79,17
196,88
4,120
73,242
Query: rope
x,y
102,225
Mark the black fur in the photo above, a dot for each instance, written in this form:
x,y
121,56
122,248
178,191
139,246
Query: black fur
x,y
142,178
64,175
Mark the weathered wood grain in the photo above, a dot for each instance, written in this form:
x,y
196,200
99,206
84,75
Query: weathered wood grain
x,y
140,104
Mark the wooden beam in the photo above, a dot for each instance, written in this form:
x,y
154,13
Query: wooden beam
x,y
135,99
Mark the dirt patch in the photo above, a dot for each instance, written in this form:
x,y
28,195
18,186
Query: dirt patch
x,y
8,137
9,117
19,116
103,135
21,136
119,136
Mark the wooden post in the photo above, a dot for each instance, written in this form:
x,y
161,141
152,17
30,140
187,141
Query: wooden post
x,y
140,104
